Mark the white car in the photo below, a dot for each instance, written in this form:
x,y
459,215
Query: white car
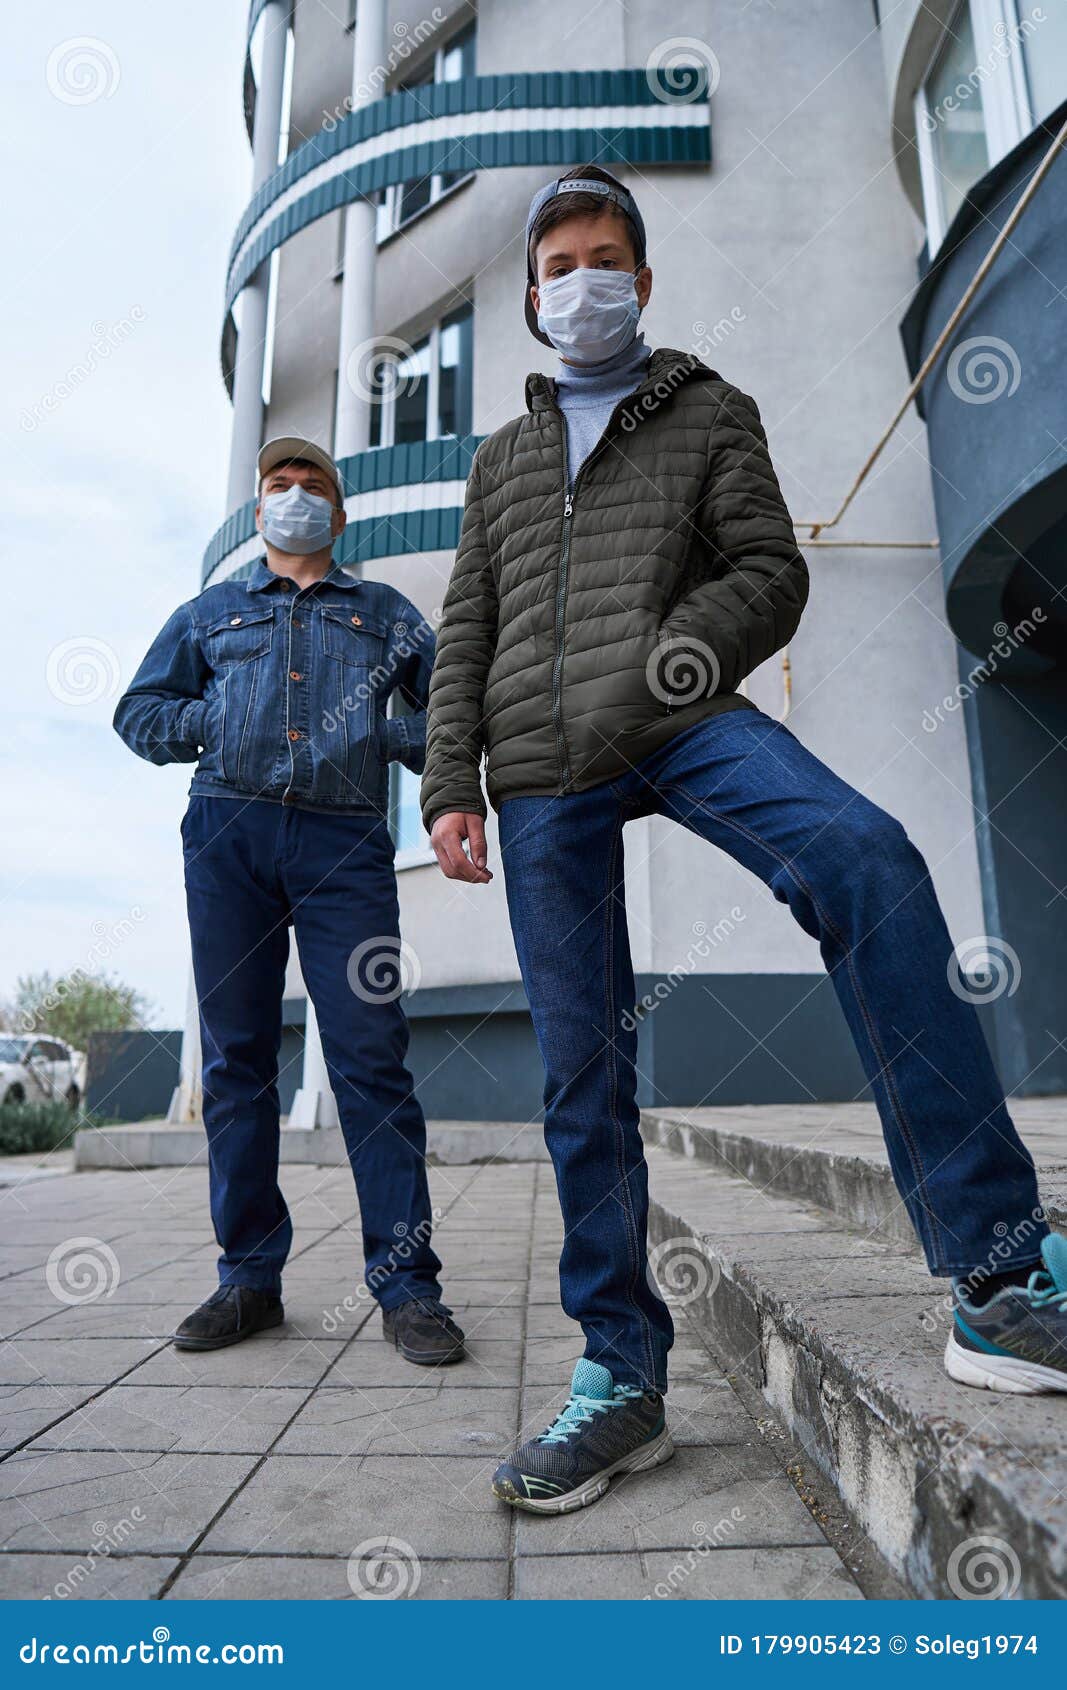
x,y
39,1070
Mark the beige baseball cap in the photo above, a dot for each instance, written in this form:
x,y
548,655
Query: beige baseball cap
x,y
284,447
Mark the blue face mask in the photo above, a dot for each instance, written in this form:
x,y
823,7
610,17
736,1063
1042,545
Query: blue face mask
x,y
297,521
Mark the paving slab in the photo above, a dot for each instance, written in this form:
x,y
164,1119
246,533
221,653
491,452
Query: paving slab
x,y
442,1506
422,1418
26,1409
704,1574
86,1578
296,1578
69,1501
217,1419
262,1360
738,1493
371,1360
70,1361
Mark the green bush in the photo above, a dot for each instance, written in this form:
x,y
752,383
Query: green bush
x,y
35,1126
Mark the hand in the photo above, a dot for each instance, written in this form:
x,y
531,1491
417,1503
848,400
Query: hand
x,y
447,838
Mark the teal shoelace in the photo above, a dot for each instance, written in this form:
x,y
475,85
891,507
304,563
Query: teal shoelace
x,y
1043,1292
580,1410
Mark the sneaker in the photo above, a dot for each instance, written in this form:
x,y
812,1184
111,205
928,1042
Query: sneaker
x,y
605,1429
231,1315
424,1332
1018,1340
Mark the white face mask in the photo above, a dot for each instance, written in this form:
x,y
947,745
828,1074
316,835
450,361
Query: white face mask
x,y
589,315
297,521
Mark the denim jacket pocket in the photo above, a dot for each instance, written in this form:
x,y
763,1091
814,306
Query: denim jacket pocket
x,y
235,646
354,647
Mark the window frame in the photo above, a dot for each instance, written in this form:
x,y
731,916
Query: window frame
x,y
386,406
1004,97
389,222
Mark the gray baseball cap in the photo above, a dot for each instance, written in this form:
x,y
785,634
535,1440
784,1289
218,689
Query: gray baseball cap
x,y
284,447
613,191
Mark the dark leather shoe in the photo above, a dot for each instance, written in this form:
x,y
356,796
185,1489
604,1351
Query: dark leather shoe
x,y
232,1314
424,1332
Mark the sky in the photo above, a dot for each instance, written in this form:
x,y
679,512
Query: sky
x,y
132,169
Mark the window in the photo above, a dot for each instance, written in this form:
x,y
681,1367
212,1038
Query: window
x,y
1001,65
400,203
958,146
405,816
1045,57
405,812
425,395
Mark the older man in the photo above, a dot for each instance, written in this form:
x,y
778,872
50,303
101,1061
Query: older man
x,y
278,688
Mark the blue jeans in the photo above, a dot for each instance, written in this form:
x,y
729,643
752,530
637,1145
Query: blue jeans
x,y
252,868
854,881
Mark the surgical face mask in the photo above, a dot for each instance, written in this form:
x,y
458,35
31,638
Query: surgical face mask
x,y
297,521
589,315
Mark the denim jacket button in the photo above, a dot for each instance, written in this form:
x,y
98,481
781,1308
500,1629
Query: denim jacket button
x,y
294,733
357,621
235,621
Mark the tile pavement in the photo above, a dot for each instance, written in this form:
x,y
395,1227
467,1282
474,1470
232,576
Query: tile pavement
x,y
128,1469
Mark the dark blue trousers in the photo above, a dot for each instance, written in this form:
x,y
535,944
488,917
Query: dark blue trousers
x,y
252,870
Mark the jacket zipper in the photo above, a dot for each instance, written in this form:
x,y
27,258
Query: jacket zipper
x,y
561,628
570,494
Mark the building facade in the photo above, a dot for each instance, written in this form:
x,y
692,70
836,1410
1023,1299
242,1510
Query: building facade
x,y
807,244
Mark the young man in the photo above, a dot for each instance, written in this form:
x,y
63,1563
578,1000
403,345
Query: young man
x,y
277,687
622,540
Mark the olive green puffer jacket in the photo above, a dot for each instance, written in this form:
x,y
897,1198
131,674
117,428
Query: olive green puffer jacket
x,y
582,630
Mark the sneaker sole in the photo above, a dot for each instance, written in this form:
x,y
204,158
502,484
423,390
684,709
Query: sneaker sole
x,y
652,1454
225,1343
1001,1373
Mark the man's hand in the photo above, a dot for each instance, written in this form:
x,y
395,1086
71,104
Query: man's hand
x,y
447,838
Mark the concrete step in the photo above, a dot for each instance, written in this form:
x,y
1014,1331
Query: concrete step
x,y
155,1144
843,1334
833,1154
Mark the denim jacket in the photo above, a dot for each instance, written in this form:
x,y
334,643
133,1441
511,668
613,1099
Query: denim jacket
x,y
276,692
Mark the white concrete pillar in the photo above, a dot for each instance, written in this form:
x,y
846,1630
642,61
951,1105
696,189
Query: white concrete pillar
x,y
247,436
352,432
187,1099
314,1104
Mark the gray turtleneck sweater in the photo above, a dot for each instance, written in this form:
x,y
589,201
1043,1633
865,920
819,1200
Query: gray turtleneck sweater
x,y
588,393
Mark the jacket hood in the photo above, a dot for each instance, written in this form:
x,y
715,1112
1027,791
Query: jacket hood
x,y
666,364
